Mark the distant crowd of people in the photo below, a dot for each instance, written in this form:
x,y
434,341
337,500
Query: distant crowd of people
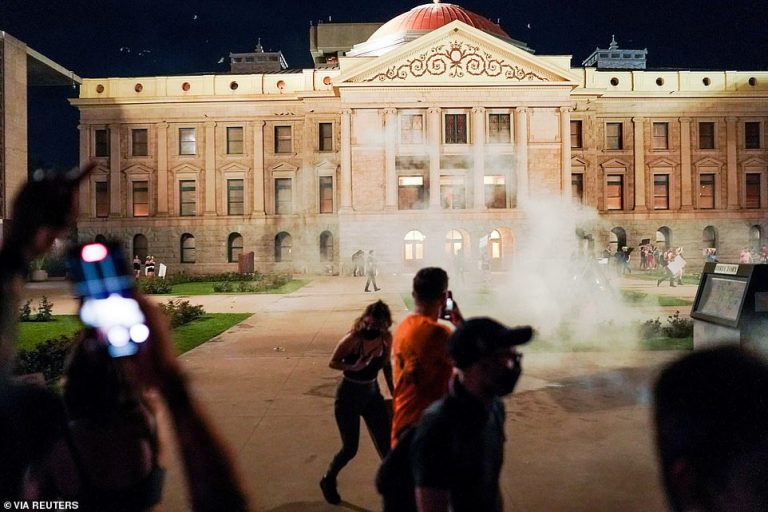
x,y
440,440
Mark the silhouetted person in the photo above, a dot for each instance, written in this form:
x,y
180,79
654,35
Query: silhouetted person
x,y
711,419
370,272
360,354
458,448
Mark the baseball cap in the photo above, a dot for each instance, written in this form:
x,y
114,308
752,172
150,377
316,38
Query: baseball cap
x,y
482,337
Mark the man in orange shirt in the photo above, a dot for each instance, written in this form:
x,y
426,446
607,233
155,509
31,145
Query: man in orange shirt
x,y
420,360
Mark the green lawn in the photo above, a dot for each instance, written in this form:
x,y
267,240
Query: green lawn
x,y
637,297
206,288
185,337
653,275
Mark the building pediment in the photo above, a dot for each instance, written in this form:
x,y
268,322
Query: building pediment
x,y
709,162
457,54
325,166
137,169
100,169
754,162
234,167
662,162
186,168
614,163
285,166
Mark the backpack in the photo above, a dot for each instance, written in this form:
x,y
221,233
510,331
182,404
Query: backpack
x,y
394,479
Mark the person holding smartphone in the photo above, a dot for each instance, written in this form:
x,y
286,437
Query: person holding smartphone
x,y
421,363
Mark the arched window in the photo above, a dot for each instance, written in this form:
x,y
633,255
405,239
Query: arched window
x,y
414,246
188,248
326,246
663,238
283,244
100,239
495,245
140,246
234,247
709,237
617,239
454,243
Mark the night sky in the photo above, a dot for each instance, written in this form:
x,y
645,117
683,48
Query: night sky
x,y
132,38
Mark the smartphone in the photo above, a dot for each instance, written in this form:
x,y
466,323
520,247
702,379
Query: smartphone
x,y
448,306
105,283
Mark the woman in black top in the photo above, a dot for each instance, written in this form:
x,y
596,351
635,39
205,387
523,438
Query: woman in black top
x,y
360,354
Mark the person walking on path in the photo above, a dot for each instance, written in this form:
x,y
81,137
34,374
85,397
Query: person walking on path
x,y
370,272
360,354
458,447
421,363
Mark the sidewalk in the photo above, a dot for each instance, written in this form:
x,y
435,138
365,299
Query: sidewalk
x,y
578,427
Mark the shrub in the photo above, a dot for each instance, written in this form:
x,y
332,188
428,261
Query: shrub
x,y
678,327
25,312
224,287
242,286
47,358
650,329
225,276
154,286
181,312
44,310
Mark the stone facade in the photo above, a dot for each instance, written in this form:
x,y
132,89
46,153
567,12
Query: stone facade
x,y
429,150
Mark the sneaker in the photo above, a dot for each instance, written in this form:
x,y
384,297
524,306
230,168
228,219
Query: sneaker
x,y
376,289
328,486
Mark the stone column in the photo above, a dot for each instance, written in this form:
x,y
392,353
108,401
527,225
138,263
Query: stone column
x,y
565,151
434,141
639,154
346,161
86,186
115,193
521,148
258,168
686,185
733,180
478,154
390,150
162,170
210,168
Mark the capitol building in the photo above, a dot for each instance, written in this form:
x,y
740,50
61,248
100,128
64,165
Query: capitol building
x,y
422,139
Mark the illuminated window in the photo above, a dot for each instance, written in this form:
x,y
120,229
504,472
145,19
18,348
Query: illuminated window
x,y
414,246
452,192
455,128
660,135
187,141
495,245
614,193
613,136
326,194
140,195
234,140
495,191
410,193
499,129
454,243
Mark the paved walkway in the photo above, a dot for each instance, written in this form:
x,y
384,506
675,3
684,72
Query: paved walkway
x,y
579,436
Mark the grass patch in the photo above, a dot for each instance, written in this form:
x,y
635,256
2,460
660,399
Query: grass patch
x,y
635,297
32,333
689,278
190,335
665,343
185,338
206,288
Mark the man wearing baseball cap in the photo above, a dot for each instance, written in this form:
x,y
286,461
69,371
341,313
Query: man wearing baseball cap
x,y
458,447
